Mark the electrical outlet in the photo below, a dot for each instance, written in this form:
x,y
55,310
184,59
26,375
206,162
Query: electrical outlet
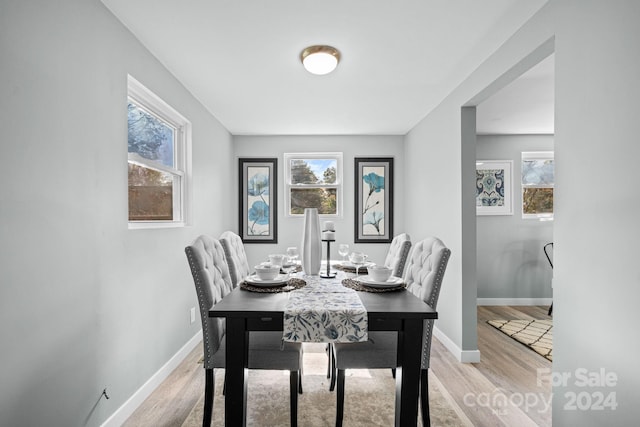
x,y
193,314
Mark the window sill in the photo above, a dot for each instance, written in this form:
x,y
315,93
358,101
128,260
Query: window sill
x,y
143,225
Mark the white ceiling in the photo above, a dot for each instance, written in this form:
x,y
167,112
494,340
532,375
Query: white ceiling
x,y
399,59
526,105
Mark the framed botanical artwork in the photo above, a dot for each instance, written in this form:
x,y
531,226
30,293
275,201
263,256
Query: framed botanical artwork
x,y
374,199
258,200
494,191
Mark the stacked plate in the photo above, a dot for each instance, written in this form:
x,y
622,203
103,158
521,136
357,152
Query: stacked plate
x,y
285,266
279,280
391,282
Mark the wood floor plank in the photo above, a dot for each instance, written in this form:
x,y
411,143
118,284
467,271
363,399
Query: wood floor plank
x,y
506,368
170,404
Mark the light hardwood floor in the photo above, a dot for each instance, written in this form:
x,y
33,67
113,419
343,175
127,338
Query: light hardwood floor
x,y
504,389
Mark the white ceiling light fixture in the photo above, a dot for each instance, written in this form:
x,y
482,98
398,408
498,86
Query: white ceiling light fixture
x,y
320,59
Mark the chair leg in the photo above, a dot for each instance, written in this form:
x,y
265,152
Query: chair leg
x,y
300,373
550,309
424,397
393,372
332,365
209,388
300,383
329,367
294,378
334,370
340,398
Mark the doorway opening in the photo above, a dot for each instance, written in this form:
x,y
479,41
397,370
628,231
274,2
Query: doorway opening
x,y
504,246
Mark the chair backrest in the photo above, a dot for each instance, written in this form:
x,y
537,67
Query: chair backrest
x,y
211,278
425,271
236,256
398,253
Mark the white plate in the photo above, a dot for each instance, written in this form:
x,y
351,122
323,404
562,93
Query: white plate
x,y
284,265
254,280
393,282
349,264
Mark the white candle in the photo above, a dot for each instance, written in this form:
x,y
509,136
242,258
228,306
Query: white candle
x,y
328,235
328,225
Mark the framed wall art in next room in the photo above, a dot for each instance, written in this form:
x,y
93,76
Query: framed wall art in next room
x,y
494,193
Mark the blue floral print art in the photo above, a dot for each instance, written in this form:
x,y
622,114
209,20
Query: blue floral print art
x,y
490,187
258,185
374,218
373,207
375,182
258,214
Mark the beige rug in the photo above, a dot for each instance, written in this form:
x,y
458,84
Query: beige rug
x,y
535,334
369,398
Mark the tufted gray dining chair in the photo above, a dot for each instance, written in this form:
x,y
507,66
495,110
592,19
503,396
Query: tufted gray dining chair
x,y
236,257
398,253
425,271
266,350
396,260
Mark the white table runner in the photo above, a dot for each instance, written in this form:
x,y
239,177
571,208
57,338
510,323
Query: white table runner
x,y
324,311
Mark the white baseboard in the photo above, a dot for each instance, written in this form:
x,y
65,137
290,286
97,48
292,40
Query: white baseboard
x,y
514,301
123,412
463,356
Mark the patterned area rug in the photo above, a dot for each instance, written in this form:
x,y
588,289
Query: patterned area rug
x,y
535,334
369,399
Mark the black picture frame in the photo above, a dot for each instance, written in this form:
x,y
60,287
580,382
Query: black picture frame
x,y
258,200
373,199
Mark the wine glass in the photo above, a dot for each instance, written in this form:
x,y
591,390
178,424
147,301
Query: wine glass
x,y
343,250
292,253
358,259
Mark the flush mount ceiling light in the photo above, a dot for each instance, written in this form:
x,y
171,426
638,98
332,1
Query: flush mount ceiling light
x,y
320,59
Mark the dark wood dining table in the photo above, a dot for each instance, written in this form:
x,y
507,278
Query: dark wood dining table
x,y
247,311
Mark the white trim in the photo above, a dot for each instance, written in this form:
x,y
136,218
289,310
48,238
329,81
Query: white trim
x,y
123,412
514,301
151,103
140,225
463,356
537,155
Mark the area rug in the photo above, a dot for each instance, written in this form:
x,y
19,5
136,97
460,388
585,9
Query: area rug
x,y
535,334
369,399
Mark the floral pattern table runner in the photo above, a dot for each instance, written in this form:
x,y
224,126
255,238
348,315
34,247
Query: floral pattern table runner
x,y
324,311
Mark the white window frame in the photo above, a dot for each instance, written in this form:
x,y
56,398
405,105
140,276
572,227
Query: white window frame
x,y
146,100
536,155
288,157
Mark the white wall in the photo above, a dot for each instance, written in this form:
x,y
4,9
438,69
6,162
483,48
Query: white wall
x,y
290,228
596,282
84,302
511,264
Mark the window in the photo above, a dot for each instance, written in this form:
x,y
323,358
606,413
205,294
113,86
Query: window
x,y
313,180
159,140
537,185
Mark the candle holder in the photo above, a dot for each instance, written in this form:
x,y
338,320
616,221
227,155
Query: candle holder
x,y
328,237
